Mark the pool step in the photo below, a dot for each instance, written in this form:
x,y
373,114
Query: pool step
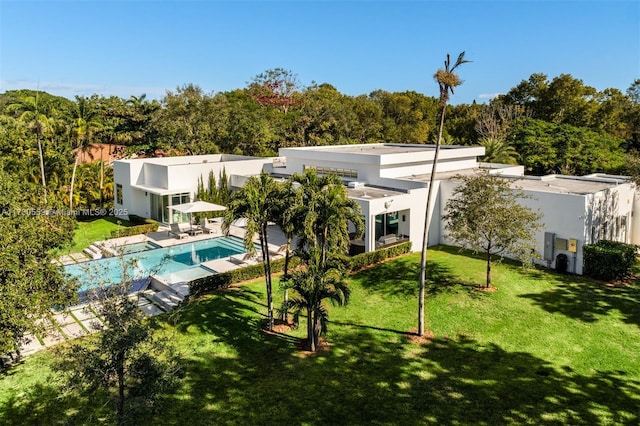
x,y
93,251
167,299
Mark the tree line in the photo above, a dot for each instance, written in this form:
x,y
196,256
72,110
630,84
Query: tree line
x,y
558,125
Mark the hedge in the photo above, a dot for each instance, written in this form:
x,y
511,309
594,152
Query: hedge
x,y
225,279
143,226
608,260
363,260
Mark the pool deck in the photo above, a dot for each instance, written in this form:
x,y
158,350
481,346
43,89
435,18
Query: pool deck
x,y
80,320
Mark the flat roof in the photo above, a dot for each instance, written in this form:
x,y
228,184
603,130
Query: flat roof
x,y
559,184
370,192
568,184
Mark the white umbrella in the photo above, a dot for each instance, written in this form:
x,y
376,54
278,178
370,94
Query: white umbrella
x,y
197,207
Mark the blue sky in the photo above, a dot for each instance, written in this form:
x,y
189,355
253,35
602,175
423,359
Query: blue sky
x,y
128,48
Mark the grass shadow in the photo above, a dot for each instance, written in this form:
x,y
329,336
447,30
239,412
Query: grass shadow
x,y
587,300
400,277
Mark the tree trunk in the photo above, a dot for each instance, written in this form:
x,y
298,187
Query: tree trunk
x,y
120,404
310,341
425,238
44,182
73,178
286,276
267,273
488,268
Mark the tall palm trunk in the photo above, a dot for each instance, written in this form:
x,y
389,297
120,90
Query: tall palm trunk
x,y
311,345
40,152
44,182
73,178
425,238
267,273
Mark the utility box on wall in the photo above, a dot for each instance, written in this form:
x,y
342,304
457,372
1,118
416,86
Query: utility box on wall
x,y
561,244
548,246
573,245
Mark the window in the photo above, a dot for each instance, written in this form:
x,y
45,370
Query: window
x,y
119,199
348,173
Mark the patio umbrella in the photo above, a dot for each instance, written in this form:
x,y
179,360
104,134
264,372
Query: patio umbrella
x,y
197,207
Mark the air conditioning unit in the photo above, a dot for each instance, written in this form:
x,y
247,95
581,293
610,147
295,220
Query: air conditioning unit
x,y
355,185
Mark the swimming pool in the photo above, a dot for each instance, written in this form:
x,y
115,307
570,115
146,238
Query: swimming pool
x,y
138,247
174,264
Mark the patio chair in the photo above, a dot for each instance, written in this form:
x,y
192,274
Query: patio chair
x,y
207,227
280,251
176,232
244,259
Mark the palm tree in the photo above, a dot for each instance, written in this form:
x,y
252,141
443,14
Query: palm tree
x,y
35,121
322,226
498,151
447,80
326,213
289,208
256,202
315,283
85,127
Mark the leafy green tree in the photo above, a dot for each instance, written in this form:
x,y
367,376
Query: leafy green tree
x,y
256,202
31,284
126,361
551,148
484,215
447,81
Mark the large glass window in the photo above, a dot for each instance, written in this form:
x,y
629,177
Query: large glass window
x,y
176,216
348,173
386,224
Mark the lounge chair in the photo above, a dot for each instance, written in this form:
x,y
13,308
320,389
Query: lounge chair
x,y
280,251
207,227
177,232
244,259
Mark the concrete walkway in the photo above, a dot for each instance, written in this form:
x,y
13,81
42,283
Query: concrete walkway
x,y
76,321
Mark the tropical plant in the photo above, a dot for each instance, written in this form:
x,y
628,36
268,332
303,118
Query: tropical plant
x,y
317,281
498,151
255,202
447,80
86,125
322,223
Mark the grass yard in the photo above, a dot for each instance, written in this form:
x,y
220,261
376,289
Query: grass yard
x,y
96,230
544,349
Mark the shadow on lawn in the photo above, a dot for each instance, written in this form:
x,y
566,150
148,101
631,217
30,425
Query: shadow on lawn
x,y
366,379
586,300
237,374
401,277
370,377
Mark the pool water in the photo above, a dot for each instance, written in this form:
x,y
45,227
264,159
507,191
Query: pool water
x,y
138,247
174,264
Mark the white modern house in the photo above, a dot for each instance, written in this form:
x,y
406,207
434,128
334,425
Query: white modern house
x,y
389,182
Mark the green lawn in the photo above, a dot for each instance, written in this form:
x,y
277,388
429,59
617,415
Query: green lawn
x,y
543,349
96,230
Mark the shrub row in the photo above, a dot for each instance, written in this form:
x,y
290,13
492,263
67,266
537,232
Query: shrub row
x,y
608,260
143,226
363,260
225,279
